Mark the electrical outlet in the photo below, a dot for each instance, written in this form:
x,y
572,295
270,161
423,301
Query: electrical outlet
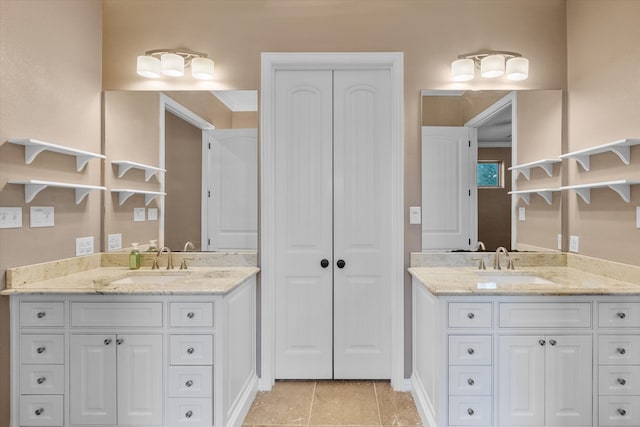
x,y
574,242
559,242
41,216
139,214
10,217
84,246
114,242
415,215
521,214
637,216
152,214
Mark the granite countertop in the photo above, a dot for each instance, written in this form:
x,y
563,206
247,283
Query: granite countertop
x,y
458,281
122,281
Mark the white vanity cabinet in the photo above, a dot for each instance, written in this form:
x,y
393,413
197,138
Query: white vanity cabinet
x,y
160,360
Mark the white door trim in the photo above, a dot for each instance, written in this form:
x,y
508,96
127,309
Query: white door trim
x,y
271,62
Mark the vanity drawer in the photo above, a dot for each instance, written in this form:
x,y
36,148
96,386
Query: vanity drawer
x,y
191,314
190,381
41,379
619,315
619,380
41,349
195,412
469,410
470,380
619,350
619,411
41,314
470,315
469,350
545,315
191,349
96,314
36,410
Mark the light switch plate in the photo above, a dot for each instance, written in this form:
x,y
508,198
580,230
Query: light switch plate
x,y
152,214
10,217
415,215
521,214
637,216
114,242
139,214
559,242
41,216
84,246
574,242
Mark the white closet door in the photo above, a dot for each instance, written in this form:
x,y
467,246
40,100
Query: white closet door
x,y
362,224
303,209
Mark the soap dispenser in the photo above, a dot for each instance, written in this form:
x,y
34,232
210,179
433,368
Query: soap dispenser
x,y
134,257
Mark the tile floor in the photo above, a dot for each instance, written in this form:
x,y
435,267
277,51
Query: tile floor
x,y
332,403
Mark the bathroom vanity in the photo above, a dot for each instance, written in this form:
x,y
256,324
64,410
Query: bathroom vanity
x,y
535,346
111,347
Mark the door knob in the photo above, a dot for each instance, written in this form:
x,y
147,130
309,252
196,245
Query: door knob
x,y
341,263
324,263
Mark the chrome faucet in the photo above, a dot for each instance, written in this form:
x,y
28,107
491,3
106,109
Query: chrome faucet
x,y
188,246
480,245
155,266
496,261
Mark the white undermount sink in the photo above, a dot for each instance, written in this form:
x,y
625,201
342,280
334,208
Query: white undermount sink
x,y
136,279
513,279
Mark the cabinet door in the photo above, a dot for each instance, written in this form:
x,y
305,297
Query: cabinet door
x,y
139,379
521,380
92,379
568,375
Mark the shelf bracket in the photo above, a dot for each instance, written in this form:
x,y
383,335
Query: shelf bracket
x,y
526,172
148,198
31,152
585,161
624,190
526,197
123,196
585,193
122,169
548,168
81,193
31,190
547,195
624,152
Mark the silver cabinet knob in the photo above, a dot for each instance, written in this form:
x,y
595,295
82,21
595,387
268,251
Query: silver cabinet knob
x,y
621,350
470,381
622,381
191,315
190,350
553,342
41,380
621,315
471,316
107,341
41,314
470,350
542,342
39,411
189,383
470,411
189,414
622,412
119,341
41,350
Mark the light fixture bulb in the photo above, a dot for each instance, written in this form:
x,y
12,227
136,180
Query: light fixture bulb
x,y
462,70
492,66
518,68
172,65
148,66
202,68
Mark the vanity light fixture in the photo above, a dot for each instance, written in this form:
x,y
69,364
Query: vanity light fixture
x,y
172,62
491,64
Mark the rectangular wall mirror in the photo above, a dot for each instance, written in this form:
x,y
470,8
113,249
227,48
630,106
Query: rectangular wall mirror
x,y
181,167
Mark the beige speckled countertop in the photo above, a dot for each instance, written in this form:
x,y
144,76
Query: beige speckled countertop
x,y
108,280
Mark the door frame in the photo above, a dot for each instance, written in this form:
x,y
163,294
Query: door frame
x,y
270,63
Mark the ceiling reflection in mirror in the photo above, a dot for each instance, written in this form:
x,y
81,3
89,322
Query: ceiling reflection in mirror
x,y
205,145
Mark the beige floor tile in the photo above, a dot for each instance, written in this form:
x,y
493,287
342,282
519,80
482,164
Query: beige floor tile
x,y
287,403
396,408
344,403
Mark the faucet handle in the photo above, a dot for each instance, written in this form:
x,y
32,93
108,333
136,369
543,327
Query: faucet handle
x,y
481,265
154,265
183,263
510,263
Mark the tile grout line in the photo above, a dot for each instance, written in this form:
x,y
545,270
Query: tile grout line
x,y
313,397
375,392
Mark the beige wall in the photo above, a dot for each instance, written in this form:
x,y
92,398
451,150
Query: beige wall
x,y
603,106
50,82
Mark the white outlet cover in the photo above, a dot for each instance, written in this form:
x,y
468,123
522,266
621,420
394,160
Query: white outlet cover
x,y
574,244
521,214
41,216
415,215
139,214
114,242
84,246
559,242
10,217
152,214
637,216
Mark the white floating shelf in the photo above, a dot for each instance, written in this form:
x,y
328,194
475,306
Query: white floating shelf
x,y
125,165
33,147
622,148
545,193
125,193
622,187
525,169
33,186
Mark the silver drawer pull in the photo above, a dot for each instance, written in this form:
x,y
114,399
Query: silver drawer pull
x,y
41,380
542,342
189,414
622,412
41,350
622,315
470,350
189,383
107,341
471,316
621,350
622,381
39,411
470,411
41,314
553,342
470,381
190,350
191,315
119,341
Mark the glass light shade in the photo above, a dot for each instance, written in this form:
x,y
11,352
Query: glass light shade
x,y
462,70
492,66
518,68
148,66
172,65
202,68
